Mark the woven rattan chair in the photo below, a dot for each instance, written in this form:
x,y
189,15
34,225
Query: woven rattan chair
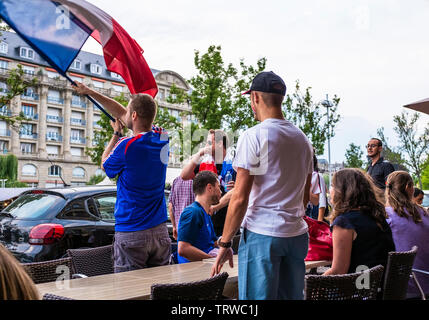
x,y
209,289
48,271
50,296
398,271
344,287
93,261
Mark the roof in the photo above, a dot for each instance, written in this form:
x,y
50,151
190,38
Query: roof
x,y
72,192
15,42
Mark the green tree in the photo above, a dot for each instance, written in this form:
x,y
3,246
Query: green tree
x,y
300,109
354,156
103,136
425,175
390,153
9,171
415,146
95,179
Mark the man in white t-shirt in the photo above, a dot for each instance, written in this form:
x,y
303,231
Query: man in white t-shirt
x,y
274,166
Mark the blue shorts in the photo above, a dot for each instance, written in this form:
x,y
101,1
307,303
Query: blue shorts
x,y
271,268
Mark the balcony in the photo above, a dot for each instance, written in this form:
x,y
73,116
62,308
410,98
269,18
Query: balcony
x,y
3,151
56,156
77,122
25,135
4,133
51,118
29,153
55,100
54,136
30,96
32,116
5,112
77,140
78,103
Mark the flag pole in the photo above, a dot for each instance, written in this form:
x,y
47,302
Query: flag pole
x,y
91,99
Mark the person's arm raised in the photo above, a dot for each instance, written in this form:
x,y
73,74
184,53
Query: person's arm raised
x,y
116,109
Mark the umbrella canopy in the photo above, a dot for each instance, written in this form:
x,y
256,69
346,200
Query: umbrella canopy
x,y
422,106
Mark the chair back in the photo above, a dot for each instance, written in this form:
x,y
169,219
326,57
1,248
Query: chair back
x,y
209,289
48,271
93,261
397,275
353,286
50,296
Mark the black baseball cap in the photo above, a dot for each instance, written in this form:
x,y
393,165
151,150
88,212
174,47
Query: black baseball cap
x,y
268,82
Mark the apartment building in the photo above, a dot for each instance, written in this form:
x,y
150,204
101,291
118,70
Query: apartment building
x,y
51,145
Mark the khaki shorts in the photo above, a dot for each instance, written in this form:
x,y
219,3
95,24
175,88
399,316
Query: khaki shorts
x,y
141,249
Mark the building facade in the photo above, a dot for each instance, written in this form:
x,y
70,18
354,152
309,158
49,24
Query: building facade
x,y
51,145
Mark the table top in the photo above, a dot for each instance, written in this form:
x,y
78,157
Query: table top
x,y
137,284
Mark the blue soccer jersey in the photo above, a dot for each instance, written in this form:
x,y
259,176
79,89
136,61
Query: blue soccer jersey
x,y
196,227
141,163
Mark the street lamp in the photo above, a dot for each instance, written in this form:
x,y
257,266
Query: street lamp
x,y
326,103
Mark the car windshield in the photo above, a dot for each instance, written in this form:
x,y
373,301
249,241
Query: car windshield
x,y
33,206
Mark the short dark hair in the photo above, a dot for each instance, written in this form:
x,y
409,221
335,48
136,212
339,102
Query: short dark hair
x,y
417,192
380,144
202,179
272,99
145,107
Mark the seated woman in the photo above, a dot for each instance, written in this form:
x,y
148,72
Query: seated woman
x,y
15,283
410,225
361,236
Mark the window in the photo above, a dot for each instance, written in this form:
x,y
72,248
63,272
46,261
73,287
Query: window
x,y
26,53
76,64
106,206
29,170
118,88
34,206
99,172
3,146
26,129
27,147
28,70
3,87
28,110
79,172
53,74
77,152
52,150
76,210
115,75
96,68
4,64
4,47
98,84
54,171
78,79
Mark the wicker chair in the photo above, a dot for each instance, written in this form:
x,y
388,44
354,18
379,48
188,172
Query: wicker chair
x,y
398,271
209,289
46,271
343,287
50,296
93,261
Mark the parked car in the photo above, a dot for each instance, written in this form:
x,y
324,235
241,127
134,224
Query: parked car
x,y
426,199
42,224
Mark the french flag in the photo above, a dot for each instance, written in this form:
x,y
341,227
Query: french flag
x,y
57,30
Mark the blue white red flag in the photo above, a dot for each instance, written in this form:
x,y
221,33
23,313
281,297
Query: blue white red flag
x,y
57,30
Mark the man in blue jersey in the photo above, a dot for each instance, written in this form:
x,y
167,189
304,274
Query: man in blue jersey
x,y
196,237
140,162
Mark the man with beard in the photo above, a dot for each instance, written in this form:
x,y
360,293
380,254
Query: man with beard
x,y
196,237
378,168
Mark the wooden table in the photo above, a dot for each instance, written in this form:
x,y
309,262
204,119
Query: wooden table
x,y
136,284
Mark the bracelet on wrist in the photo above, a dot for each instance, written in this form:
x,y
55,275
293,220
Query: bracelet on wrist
x,y
117,133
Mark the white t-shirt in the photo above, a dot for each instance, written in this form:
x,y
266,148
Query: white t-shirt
x,y
322,195
280,158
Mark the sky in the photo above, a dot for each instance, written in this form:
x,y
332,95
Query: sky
x,y
373,54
